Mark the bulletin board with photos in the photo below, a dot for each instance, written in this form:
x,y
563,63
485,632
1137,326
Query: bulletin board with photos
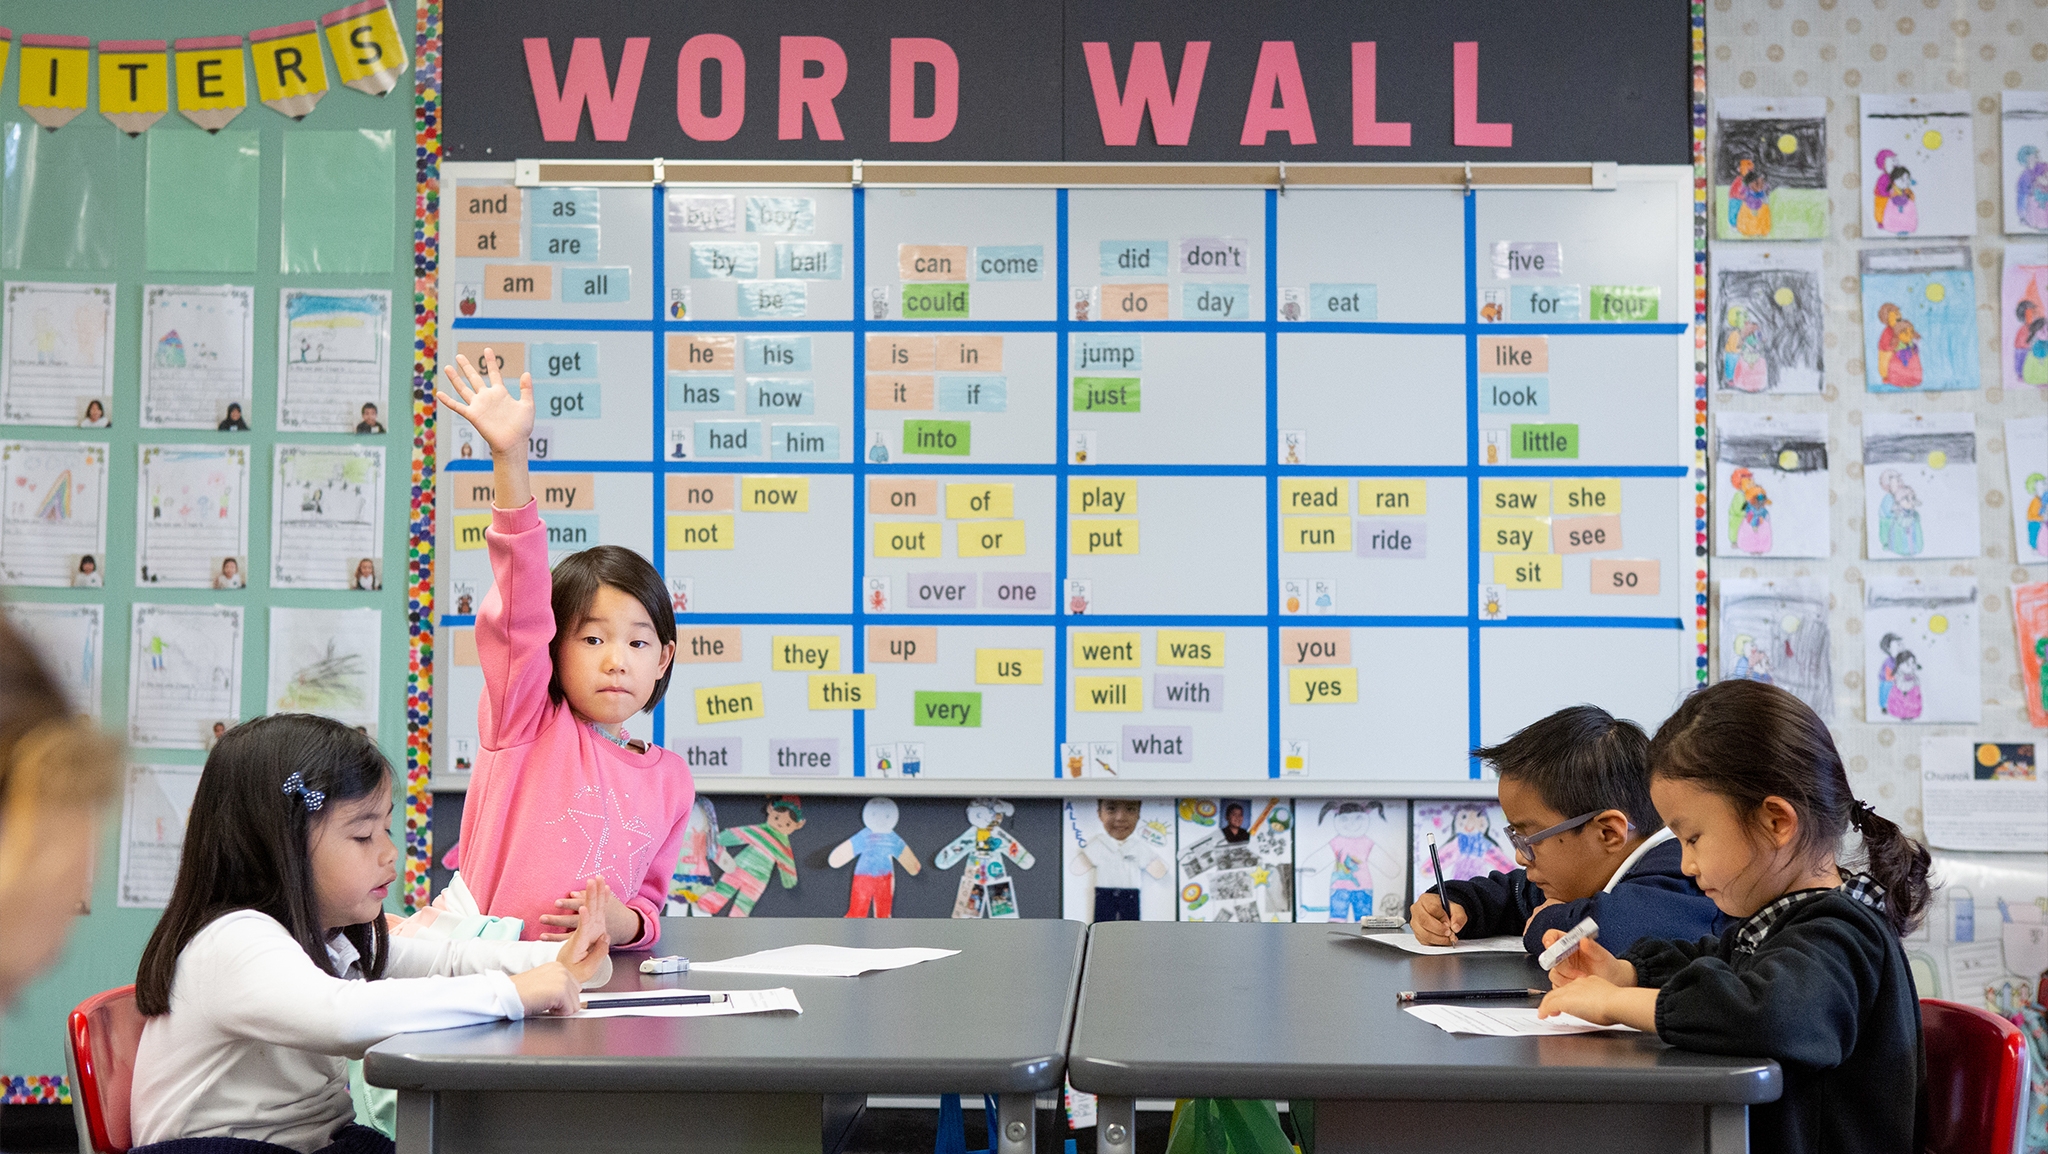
x,y
205,430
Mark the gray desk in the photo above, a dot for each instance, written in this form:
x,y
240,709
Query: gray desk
x,y
1288,1011
993,1019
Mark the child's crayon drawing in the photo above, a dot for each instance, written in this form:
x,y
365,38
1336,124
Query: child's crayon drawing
x,y
1347,859
2023,317
1471,840
1770,169
1919,319
2023,144
1920,485
1771,478
1917,157
1922,662
2030,629
1776,631
1768,320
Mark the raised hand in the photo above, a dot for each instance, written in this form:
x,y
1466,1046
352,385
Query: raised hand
x,y
585,950
483,400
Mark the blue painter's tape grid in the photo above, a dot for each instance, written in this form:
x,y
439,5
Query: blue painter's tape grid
x,y
658,324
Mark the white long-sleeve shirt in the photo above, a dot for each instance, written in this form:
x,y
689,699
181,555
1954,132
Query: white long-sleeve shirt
x,y
255,1041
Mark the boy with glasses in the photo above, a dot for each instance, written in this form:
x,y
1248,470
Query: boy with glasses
x,y
1575,787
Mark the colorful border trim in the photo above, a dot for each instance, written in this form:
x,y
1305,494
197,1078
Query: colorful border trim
x,y
419,609
34,1090
1701,474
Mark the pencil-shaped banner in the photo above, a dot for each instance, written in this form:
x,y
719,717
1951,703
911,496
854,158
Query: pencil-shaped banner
x,y
213,87
291,74
53,78
368,51
6,50
135,83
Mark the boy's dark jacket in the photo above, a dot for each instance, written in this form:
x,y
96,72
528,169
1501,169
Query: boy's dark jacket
x,y
1654,899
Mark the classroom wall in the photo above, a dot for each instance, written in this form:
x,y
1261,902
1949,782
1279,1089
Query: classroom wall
x,y
1841,50
106,944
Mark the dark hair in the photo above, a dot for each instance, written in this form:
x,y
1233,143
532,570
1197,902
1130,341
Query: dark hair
x,y
1900,656
577,580
49,754
1748,741
1581,759
246,843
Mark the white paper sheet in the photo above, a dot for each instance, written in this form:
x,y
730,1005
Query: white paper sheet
x,y
185,673
737,1002
1506,1022
333,357
1410,943
1967,805
70,640
192,516
326,514
326,661
1920,486
59,354
198,348
53,513
1922,660
153,815
816,961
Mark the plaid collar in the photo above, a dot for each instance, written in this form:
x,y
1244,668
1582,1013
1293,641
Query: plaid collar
x,y
1861,887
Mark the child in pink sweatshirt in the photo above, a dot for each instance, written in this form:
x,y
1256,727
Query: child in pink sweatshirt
x,y
561,793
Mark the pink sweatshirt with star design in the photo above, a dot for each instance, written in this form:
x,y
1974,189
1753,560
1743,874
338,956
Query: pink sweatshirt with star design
x,y
551,801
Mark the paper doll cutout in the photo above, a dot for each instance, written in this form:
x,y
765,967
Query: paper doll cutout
x,y
692,879
763,849
877,848
1118,860
985,887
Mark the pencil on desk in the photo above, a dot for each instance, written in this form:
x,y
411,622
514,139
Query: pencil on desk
x,y
1464,995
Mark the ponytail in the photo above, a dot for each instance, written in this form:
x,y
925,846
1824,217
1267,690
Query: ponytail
x,y
1898,863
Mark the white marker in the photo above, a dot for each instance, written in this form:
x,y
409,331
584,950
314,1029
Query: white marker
x,y
1584,931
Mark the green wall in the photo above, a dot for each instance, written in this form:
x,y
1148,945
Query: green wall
x,y
106,944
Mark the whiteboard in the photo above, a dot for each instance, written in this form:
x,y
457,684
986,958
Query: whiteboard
x,y
1320,491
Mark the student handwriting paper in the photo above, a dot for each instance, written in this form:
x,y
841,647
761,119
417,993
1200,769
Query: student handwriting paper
x,y
70,640
324,661
58,355
1506,1021
737,1002
185,673
153,814
815,961
53,516
1414,945
326,514
198,352
333,357
192,516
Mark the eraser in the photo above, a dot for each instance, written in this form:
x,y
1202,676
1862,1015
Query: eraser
x,y
672,964
1566,944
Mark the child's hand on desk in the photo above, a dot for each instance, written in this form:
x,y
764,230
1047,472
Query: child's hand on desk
x,y
504,420
1589,998
585,950
1590,961
621,921
1427,920
548,988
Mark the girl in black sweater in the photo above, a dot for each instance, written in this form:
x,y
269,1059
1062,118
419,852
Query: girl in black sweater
x,y
1748,779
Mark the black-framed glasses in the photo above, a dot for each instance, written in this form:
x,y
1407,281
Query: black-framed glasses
x,y
1524,845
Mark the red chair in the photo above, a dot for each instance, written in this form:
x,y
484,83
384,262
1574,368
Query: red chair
x,y
1976,1079
105,1029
